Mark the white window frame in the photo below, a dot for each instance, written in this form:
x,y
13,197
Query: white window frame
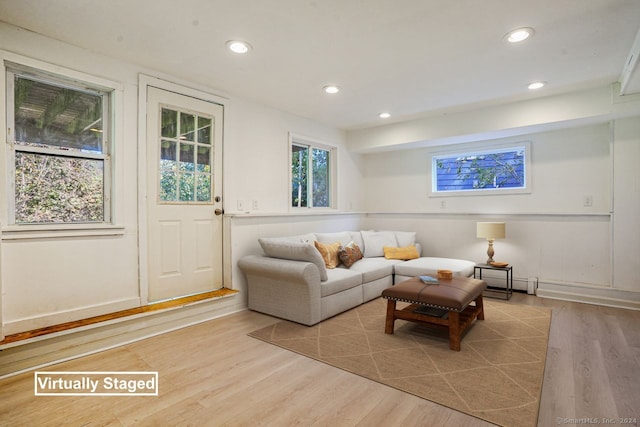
x,y
113,211
300,140
479,149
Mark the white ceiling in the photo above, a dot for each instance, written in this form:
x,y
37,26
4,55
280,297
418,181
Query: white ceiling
x,y
408,57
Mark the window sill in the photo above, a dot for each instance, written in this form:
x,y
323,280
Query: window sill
x,y
20,232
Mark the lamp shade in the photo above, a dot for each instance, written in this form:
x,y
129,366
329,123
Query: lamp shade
x,y
490,230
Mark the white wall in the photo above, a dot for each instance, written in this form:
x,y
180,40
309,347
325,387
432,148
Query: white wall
x,y
626,203
570,248
256,158
566,165
48,280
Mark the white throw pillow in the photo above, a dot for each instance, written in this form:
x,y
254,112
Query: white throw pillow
x,y
375,241
356,236
405,238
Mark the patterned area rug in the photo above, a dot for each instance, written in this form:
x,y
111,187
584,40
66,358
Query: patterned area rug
x,y
497,375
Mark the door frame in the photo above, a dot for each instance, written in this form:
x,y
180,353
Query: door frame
x,y
144,82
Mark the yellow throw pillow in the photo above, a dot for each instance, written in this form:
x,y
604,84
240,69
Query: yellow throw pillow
x,y
404,253
329,253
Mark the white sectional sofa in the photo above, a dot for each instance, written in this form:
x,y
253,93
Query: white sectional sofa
x,y
291,280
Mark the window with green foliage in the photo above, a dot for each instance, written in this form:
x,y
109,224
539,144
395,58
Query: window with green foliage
x,y
59,154
311,175
185,157
482,170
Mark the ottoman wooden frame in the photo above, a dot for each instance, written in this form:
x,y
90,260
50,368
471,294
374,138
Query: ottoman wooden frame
x,y
453,295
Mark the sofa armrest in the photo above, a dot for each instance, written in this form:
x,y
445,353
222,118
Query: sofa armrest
x,y
283,288
277,268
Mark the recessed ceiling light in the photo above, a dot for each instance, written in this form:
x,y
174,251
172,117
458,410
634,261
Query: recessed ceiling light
x,y
536,85
384,115
331,89
238,46
519,35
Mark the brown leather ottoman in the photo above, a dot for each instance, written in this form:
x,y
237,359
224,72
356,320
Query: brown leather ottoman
x,y
447,304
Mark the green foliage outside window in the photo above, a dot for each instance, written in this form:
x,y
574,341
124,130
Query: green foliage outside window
x,y
320,178
58,189
299,173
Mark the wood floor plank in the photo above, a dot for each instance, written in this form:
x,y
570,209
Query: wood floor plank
x,y
214,374
558,390
620,365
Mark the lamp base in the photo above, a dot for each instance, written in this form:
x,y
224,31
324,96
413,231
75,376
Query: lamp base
x,y
490,251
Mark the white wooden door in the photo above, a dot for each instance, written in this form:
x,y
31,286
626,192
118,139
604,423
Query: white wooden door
x,y
184,199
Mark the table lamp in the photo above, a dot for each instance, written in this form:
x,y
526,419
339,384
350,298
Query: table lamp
x,y
490,231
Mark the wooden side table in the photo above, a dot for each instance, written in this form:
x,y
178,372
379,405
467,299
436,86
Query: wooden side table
x,y
508,270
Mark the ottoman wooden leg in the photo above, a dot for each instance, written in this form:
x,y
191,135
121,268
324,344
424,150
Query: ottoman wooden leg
x,y
480,307
391,318
454,330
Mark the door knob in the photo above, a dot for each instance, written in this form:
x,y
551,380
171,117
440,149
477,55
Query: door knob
x,y
218,211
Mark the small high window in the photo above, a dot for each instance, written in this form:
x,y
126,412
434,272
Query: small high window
x,y
312,174
500,169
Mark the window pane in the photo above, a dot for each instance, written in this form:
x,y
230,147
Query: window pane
x,y
187,159
204,159
169,123
168,170
187,187
168,186
58,189
204,188
299,171
168,154
187,126
204,130
50,115
320,178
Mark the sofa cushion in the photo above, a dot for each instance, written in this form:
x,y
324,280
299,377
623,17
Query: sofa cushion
x,y
342,237
329,252
374,241
356,236
431,265
374,268
405,238
288,248
403,253
349,254
340,279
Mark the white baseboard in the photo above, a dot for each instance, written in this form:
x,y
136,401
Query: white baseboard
x,y
588,294
47,350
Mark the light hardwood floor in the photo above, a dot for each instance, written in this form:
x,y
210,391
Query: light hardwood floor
x,y
213,374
